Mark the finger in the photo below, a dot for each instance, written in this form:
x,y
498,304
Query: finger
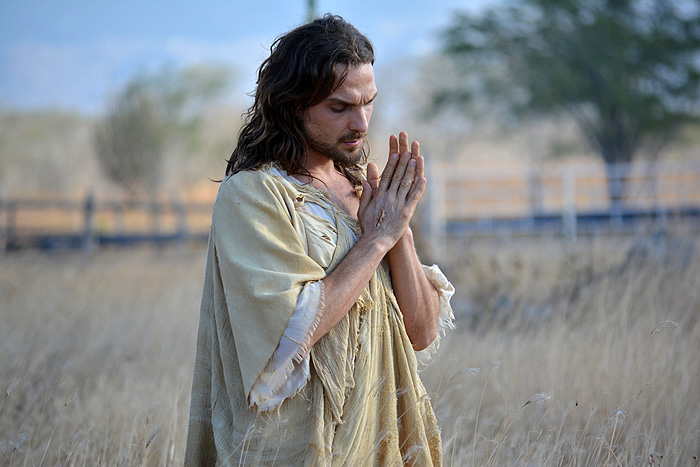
x,y
400,173
416,191
393,145
365,198
407,181
420,167
388,172
403,142
415,150
373,176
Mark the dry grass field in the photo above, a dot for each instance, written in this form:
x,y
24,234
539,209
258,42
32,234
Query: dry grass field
x,y
565,355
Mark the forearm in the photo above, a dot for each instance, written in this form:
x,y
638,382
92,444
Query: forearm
x,y
343,286
418,300
386,207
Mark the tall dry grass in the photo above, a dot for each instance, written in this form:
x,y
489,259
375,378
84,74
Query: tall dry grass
x,y
578,355
96,356
571,355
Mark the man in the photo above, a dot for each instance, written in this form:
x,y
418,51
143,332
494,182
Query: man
x,y
314,298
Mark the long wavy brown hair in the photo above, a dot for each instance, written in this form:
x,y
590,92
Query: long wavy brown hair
x,y
299,73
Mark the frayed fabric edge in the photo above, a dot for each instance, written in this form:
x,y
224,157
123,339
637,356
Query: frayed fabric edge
x,y
446,316
306,343
280,376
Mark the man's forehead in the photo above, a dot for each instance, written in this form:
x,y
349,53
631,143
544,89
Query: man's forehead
x,y
358,83
340,68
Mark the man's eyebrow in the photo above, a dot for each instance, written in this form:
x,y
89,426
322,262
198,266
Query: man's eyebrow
x,y
340,100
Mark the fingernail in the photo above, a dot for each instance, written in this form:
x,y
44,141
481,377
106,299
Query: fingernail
x,y
412,163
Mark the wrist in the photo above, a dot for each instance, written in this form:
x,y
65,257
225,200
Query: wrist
x,y
374,246
407,236
406,240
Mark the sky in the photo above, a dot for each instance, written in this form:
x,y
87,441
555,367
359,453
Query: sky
x,y
73,54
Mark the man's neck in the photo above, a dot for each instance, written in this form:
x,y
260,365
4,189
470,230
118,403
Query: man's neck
x,y
326,177
320,166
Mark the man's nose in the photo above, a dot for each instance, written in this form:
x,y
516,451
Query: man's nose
x,y
360,120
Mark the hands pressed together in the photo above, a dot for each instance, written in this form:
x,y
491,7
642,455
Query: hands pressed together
x,y
387,205
389,201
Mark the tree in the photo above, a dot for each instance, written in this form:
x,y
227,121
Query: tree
x,y
129,141
153,112
627,71
310,10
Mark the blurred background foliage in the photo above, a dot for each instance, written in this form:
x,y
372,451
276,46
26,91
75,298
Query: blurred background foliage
x,y
152,114
162,131
517,80
627,72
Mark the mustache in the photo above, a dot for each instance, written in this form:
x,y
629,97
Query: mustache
x,y
352,136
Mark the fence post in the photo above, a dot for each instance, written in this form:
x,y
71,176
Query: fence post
x,y
437,223
181,213
3,228
654,179
155,209
534,181
4,224
89,224
11,225
118,208
569,227
617,174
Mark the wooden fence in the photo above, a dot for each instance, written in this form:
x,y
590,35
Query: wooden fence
x,y
90,222
560,199
565,199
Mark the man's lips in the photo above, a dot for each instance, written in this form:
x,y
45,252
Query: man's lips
x,y
353,141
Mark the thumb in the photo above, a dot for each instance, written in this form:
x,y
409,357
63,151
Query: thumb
x,y
365,198
373,175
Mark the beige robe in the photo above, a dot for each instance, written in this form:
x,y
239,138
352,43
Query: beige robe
x,y
364,403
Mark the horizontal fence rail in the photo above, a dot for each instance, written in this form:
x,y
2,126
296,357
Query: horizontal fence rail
x,y
566,199
68,223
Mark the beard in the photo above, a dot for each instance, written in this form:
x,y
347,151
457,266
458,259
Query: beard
x,y
341,157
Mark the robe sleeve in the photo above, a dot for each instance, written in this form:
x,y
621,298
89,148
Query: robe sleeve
x,y
288,370
445,317
261,253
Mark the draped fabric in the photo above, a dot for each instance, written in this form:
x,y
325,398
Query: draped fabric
x,y
363,404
